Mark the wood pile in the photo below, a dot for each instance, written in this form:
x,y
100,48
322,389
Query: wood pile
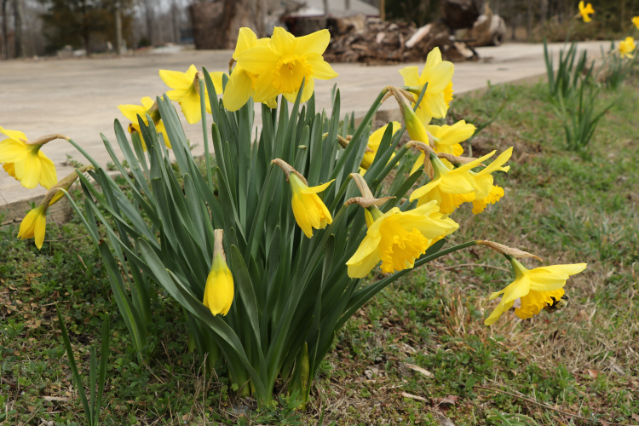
x,y
373,42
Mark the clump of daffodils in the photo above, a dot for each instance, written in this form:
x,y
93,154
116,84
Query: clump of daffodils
x,y
268,266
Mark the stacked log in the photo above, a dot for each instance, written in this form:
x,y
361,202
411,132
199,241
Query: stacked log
x,y
373,42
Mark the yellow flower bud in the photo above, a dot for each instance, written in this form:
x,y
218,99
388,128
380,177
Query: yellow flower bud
x,y
219,290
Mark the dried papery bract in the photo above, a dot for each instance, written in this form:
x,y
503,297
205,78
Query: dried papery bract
x,y
46,139
500,248
367,199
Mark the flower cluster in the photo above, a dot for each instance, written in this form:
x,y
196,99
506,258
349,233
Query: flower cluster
x,y
396,237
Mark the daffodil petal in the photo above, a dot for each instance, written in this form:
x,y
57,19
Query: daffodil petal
x,y
410,75
28,170
550,278
40,229
238,91
48,175
175,79
321,68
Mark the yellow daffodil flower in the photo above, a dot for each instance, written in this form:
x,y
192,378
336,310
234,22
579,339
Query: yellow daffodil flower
x,y
24,161
241,84
309,210
635,21
586,11
536,288
626,48
149,107
285,62
447,139
451,187
374,141
439,92
219,290
34,224
398,238
186,91
485,191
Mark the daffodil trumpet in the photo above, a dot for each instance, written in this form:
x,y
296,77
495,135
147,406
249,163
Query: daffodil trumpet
x,y
395,238
219,289
34,223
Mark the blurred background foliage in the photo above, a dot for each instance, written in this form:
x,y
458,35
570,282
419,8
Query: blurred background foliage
x,y
46,26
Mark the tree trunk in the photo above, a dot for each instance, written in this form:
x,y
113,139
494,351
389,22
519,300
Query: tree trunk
x,y
382,10
175,11
347,4
118,30
530,21
86,29
19,42
5,29
326,11
149,20
543,13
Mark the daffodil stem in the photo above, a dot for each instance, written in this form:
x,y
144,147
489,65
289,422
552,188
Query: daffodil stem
x,y
83,152
207,157
444,253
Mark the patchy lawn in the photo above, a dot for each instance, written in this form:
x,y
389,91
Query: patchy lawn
x,y
419,352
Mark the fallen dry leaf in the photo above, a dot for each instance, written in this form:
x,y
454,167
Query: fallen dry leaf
x,y
441,419
55,398
593,373
419,370
450,399
411,396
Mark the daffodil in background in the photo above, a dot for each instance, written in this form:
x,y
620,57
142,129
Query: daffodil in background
x,y
626,48
241,84
34,224
186,91
536,289
585,11
285,62
149,107
635,21
374,141
219,290
439,92
24,161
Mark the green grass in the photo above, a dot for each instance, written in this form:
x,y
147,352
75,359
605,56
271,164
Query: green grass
x,y
581,360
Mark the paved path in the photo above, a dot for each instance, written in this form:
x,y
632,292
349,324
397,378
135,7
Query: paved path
x,y
79,97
